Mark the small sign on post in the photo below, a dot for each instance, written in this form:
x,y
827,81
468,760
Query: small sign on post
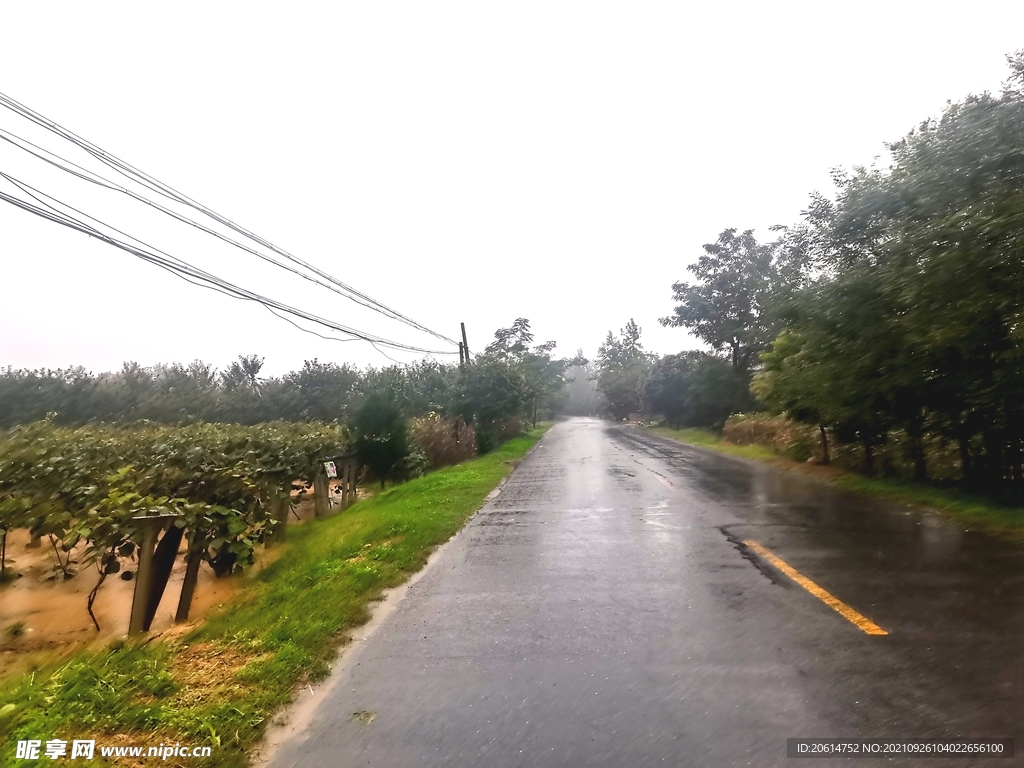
x,y
332,473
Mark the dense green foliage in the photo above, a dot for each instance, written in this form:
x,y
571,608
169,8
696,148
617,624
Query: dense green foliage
x,y
691,389
733,307
913,323
696,389
893,311
221,685
512,382
92,465
379,435
736,307
223,482
623,367
181,394
543,377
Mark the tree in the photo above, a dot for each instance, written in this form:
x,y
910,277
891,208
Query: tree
x,y
544,375
203,375
380,436
431,387
836,367
695,389
323,389
243,372
939,233
914,321
512,343
492,394
730,308
622,369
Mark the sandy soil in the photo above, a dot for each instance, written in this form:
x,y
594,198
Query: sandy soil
x,y
43,615
41,611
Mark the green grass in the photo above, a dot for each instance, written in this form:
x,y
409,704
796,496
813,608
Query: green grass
x,y
974,511
705,438
222,683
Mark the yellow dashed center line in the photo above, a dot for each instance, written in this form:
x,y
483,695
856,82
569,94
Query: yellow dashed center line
x,y
665,482
834,603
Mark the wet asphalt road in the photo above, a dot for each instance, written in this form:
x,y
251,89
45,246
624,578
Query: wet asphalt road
x,y
603,611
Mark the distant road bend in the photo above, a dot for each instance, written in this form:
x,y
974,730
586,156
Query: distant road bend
x,y
631,601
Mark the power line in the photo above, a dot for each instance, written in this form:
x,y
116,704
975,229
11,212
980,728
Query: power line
x,y
185,270
94,178
25,187
140,177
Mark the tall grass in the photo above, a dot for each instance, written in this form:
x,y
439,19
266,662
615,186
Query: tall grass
x,y
444,441
893,458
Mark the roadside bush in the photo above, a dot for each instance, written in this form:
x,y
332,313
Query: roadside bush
x,y
801,442
380,435
415,464
490,436
443,441
775,432
800,448
492,396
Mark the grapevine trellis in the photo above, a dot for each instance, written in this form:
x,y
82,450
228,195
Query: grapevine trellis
x,y
222,489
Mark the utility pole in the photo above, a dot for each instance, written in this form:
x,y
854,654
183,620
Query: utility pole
x,y
462,356
465,344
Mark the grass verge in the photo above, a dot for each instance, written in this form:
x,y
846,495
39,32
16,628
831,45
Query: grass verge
x,y
974,511
706,439
219,685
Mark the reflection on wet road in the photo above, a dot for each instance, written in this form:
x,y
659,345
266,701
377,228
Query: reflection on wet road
x,y
605,610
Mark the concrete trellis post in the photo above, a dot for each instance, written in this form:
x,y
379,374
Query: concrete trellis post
x,y
321,489
346,484
281,507
188,588
150,579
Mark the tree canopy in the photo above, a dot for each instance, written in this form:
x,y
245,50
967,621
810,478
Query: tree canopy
x,y
731,308
623,366
913,319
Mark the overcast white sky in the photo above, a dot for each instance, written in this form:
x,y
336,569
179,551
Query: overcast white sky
x,y
471,161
